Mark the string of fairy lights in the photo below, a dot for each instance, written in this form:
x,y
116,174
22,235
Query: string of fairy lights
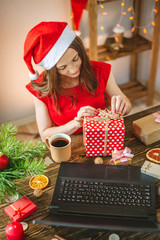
x,y
129,11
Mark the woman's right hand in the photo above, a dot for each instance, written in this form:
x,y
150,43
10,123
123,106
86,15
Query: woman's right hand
x,y
85,112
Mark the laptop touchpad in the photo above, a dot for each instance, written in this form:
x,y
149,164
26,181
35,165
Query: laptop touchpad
x,y
117,173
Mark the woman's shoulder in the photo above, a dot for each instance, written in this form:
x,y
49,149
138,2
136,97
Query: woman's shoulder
x,y
100,65
102,71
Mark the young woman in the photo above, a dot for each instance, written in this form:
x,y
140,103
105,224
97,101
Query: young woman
x,y
71,86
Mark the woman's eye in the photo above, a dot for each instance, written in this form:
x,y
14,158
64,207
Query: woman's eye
x,y
62,68
75,58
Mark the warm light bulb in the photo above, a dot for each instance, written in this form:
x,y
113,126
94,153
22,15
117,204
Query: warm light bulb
x,y
101,6
129,9
131,18
102,28
155,10
133,28
144,30
153,23
122,4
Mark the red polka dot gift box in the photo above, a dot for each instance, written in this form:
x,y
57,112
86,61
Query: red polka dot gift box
x,y
103,133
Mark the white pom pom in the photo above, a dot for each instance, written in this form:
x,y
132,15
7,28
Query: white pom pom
x,y
34,76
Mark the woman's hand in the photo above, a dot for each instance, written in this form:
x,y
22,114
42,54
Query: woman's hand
x,y
85,112
120,104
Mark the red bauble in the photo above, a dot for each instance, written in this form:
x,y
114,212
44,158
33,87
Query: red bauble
x,y
4,161
14,231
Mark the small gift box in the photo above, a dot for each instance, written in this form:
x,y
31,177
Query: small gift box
x,y
20,209
103,133
121,157
151,169
147,129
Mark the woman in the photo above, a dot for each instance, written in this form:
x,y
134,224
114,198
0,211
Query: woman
x,y
71,86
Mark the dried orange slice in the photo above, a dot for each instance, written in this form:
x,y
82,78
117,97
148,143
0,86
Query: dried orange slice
x,y
38,181
154,155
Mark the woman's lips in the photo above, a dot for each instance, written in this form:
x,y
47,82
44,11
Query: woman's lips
x,y
75,74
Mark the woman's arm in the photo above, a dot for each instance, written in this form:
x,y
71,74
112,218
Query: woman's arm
x,y
46,126
119,102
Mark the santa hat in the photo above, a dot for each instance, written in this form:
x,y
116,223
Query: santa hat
x,y
77,9
46,43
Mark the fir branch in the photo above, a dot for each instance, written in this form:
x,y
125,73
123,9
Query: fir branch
x,y
26,159
8,187
29,148
8,131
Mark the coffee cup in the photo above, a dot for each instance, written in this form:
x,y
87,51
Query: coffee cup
x,y
60,146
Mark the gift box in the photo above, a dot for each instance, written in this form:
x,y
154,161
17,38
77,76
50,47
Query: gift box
x,y
20,209
127,161
121,157
102,133
151,169
147,129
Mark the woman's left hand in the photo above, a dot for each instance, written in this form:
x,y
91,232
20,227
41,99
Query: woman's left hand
x,y
120,104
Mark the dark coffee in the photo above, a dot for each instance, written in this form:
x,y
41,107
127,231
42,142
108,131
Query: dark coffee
x,y
59,142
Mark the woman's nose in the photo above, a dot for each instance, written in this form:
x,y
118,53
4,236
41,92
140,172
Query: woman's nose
x,y
72,68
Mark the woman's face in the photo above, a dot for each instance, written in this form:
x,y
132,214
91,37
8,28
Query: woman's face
x,y
69,64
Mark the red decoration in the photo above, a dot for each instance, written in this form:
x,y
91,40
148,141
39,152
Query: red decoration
x,y
77,8
14,231
20,209
103,133
4,161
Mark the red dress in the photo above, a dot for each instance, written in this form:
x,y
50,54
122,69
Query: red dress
x,y
69,110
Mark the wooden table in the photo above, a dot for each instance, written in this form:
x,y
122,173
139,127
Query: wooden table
x,y
45,232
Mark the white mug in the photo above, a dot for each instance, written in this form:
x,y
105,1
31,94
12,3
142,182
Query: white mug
x,y
60,146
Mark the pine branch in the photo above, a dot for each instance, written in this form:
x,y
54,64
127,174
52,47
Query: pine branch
x,y
26,159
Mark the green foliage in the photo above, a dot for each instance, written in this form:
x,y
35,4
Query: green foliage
x,y
26,159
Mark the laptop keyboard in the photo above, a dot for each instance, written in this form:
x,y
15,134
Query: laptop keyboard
x,y
103,193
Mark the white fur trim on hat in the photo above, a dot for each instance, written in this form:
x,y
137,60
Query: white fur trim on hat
x,y
58,49
34,76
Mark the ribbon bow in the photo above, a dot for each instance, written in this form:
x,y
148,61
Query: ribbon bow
x,y
157,116
122,155
19,211
109,115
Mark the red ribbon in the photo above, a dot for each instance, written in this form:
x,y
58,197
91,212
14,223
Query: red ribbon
x,y
19,211
157,116
122,155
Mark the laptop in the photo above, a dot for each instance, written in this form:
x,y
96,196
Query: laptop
x,y
104,197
